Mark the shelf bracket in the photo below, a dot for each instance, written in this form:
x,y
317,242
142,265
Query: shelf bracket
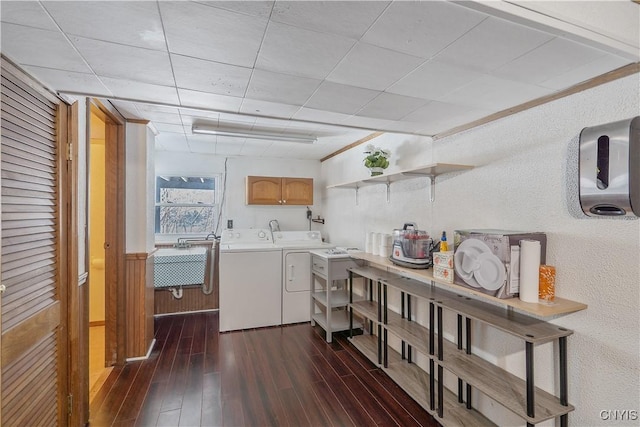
x,y
388,191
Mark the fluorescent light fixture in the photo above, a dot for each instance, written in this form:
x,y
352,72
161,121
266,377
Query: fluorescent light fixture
x,y
206,130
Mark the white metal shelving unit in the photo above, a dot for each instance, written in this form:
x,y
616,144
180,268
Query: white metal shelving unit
x,y
329,296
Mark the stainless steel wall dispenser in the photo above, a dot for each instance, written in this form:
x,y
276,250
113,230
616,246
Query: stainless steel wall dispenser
x,y
609,169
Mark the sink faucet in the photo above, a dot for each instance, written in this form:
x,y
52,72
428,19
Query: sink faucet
x,y
274,225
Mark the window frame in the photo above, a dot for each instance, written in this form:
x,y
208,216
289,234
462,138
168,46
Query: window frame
x,y
215,206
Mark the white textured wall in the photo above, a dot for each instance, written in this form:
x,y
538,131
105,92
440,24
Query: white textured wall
x,y
519,182
243,215
139,206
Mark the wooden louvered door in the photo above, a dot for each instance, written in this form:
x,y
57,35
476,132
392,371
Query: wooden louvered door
x,y
34,241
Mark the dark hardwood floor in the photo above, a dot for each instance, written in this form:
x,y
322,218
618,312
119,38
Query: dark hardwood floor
x,y
280,376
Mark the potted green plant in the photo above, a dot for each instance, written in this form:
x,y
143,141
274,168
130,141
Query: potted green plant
x,y
376,159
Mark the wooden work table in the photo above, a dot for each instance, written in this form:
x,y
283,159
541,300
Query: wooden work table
x,y
559,307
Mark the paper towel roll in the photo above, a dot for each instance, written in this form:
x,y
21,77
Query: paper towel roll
x,y
368,245
385,245
529,270
375,246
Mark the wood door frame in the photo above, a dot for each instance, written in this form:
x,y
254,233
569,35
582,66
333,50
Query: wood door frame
x,y
78,360
115,303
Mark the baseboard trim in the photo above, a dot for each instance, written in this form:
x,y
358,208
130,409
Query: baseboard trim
x,y
146,356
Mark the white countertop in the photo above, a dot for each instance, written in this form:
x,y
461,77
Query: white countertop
x,y
327,253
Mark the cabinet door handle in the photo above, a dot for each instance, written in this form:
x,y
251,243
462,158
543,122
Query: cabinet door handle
x,y
319,267
284,201
280,201
291,278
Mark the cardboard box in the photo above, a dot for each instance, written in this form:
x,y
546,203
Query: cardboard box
x,y
443,259
443,274
489,244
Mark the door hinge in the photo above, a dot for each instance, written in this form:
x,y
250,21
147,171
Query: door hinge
x,y
70,404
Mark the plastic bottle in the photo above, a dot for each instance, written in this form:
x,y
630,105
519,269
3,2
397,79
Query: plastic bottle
x,y
443,242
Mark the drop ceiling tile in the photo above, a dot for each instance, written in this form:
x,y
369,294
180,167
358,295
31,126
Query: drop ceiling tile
x,y
265,108
141,91
129,110
421,28
255,8
373,67
28,13
161,118
211,33
32,46
548,61
302,129
237,118
282,88
433,79
69,81
126,62
320,116
285,149
494,94
600,66
301,52
141,106
389,106
228,149
169,127
349,19
171,142
340,98
277,125
134,23
491,44
369,123
209,76
437,117
248,150
406,127
193,98
202,147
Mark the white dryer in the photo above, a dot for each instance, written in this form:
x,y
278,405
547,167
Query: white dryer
x,y
250,280
296,272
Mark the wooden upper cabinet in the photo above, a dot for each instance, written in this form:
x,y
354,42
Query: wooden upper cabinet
x,y
270,190
297,191
264,190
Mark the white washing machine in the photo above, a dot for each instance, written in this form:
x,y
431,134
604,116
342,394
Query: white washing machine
x,y
296,272
250,280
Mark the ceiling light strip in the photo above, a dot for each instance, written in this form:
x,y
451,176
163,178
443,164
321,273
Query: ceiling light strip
x,y
204,130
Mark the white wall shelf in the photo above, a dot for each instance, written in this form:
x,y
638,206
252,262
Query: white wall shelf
x,y
429,171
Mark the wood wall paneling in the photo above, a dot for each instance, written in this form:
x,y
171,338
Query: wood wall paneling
x,y
139,310
193,299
